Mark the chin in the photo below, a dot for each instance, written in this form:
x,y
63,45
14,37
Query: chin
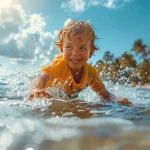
x,y
75,67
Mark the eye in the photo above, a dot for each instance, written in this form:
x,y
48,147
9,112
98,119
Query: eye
x,y
68,47
82,48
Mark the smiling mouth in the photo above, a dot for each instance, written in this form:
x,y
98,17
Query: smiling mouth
x,y
75,60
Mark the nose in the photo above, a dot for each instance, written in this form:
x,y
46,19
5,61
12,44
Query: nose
x,y
75,51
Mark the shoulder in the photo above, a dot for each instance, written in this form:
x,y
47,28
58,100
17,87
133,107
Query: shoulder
x,y
57,65
89,68
91,71
58,60
94,78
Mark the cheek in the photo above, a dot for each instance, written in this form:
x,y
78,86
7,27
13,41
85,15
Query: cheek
x,y
66,55
88,54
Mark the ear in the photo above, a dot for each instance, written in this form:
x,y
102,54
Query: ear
x,y
91,53
60,46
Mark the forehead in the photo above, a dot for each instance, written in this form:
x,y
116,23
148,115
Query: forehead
x,y
83,38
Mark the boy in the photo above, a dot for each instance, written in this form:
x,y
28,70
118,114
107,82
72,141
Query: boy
x,y
70,70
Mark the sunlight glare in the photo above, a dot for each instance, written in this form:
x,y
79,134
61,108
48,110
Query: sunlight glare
x,y
8,3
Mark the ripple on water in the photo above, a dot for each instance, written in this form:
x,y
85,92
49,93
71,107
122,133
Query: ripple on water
x,y
57,124
67,133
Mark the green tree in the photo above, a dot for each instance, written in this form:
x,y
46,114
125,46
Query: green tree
x,y
125,69
139,48
127,60
143,71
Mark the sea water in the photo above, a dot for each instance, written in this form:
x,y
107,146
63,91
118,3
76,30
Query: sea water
x,y
83,123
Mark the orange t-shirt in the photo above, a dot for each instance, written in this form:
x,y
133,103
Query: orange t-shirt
x,y
60,77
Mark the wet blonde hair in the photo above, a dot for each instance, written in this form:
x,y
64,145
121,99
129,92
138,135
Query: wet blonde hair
x,y
77,28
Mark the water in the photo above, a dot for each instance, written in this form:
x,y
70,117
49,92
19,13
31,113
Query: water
x,y
84,123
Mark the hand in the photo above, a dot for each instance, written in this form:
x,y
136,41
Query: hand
x,y
107,96
125,102
39,94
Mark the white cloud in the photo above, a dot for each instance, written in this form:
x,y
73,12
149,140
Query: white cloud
x,y
110,4
74,5
82,5
116,3
67,21
22,35
10,20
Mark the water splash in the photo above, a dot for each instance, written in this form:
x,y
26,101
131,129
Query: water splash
x,y
57,122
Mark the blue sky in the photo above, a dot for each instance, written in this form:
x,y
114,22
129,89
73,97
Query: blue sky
x,y
29,28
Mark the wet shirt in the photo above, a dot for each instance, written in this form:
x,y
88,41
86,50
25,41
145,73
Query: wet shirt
x,y
60,77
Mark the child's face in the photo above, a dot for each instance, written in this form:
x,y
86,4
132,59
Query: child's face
x,y
76,51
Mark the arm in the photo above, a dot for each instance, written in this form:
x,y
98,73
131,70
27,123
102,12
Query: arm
x,y
97,85
107,96
39,89
41,81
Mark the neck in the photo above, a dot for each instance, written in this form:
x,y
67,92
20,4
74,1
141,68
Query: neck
x,y
77,74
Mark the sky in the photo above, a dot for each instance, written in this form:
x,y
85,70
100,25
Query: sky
x,y
28,28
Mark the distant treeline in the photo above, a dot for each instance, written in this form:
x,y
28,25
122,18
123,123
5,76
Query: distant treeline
x,y
126,69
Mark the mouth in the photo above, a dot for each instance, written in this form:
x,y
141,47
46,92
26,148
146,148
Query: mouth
x,y
75,60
